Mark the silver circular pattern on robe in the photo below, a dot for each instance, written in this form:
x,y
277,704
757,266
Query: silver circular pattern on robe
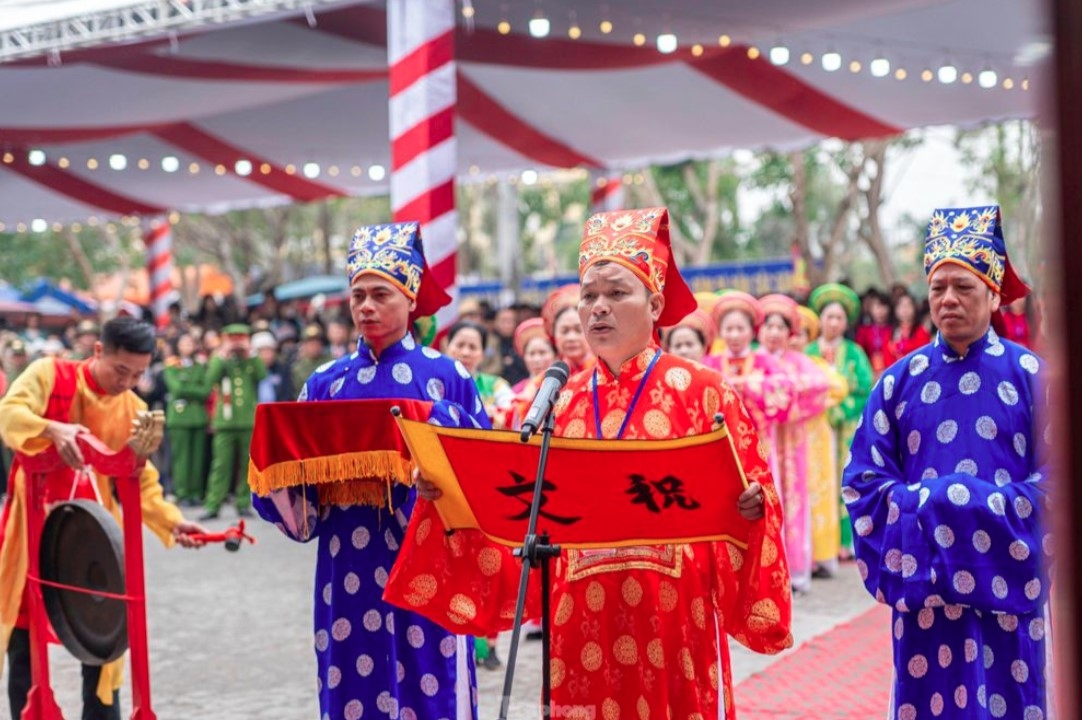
x,y
303,393
997,503
863,525
1007,622
930,392
888,387
336,386
1029,363
881,422
913,441
995,349
969,383
1008,393
365,665
967,466
1019,550
1023,508
430,353
1002,477
325,366
402,373
946,431
1020,444
918,364
982,542
899,410
372,620
462,371
409,343
366,374
964,582
435,389
999,587
986,427
1033,589
944,536
958,494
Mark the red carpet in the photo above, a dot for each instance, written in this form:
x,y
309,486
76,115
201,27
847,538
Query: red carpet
x,y
841,675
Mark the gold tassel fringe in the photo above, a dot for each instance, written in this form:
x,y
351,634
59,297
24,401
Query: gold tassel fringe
x,y
337,477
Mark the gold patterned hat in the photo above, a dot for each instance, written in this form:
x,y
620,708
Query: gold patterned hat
x,y
778,304
395,253
639,241
973,239
809,320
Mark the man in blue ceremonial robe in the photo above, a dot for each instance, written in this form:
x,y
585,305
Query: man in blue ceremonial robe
x,y
374,659
947,492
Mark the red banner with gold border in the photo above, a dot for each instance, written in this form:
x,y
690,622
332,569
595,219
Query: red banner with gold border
x,y
596,493
351,448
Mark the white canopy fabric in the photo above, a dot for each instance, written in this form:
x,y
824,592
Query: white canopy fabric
x,y
277,111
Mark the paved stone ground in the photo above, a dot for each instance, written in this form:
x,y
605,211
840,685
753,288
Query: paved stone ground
x,y
230,635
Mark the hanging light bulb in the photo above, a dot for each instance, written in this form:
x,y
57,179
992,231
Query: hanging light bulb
x,y
376,173
987,79
311,170
639,39
880,67
831,61
667,43
243,167
574,32
947,74
36,157
38,225
539,27
170,164
779,55
118,161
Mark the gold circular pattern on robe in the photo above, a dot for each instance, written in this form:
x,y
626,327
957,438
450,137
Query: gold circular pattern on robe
x,y
489,561
655,652
591,656
562,402
764,615
667,596
770,552
736,556
712,671
657,424
575,429
563,610
558,670
698,613
678,378
644,708
711,401
595,596
686,664
625,650
610,709
610,425
462,609
423,529
632,592
422,589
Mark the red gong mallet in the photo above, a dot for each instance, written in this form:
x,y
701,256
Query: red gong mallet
x,y
233,537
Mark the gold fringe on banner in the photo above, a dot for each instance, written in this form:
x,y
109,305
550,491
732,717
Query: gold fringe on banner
x,y
337,477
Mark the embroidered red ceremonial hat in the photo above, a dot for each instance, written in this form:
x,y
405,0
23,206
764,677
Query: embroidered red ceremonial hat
x,y
639,241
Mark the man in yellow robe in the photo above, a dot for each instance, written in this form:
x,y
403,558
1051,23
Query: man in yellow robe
x,y
50,404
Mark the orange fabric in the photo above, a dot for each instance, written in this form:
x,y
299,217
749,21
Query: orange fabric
x,y
633,631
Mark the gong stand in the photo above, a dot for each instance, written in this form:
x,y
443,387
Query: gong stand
x,y
125,467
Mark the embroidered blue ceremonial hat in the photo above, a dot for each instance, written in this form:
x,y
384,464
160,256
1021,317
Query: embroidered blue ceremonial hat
x,y
395,253
973,239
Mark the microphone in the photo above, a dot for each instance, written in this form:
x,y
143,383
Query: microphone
x,y
555,378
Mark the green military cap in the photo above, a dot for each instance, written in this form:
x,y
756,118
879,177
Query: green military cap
x,y
87,327
313,332
236,329
18,347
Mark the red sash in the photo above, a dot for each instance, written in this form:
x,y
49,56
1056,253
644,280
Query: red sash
x,y
58,408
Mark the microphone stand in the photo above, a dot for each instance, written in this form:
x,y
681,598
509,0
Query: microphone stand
x,y
536,551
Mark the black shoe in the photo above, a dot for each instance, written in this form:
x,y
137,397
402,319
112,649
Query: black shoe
x,y
534,635
821,573
244,512
492,662
208,515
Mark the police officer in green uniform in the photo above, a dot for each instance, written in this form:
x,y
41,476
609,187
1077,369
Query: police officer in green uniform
x,y
86,334
235,373
186,420
313,354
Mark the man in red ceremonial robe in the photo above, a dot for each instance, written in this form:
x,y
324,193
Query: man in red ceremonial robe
x,y
637,632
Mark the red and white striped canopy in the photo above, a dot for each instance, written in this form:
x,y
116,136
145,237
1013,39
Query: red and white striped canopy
x,y
282,110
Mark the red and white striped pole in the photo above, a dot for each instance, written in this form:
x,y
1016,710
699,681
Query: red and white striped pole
x,y
421,58
159,244
607,192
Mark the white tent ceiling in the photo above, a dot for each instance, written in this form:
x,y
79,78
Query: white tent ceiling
x,y
281,95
